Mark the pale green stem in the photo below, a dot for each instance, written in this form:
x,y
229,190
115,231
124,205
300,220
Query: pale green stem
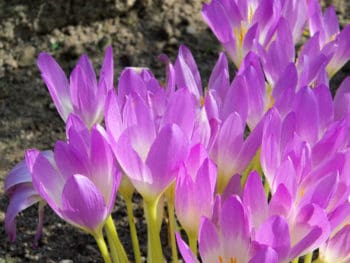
x,y
154,250
134,238
308,258
193,243
170,194
111,230
172,229
112,248
102,246
266,187
253,165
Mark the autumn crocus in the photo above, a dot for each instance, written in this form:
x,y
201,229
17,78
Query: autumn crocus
x,y
81,95
139,144
194,192
228,239
332,40
19,188
81,184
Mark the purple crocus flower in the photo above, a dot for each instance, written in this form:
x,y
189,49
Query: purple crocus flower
x,y
138,143
81,184
194,191
229,238
19,188
82,94
337,248
332,41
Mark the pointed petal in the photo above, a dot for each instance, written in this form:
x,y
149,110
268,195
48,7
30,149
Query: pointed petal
x,y
185,251
57,84
219,79
255,199
23,197
106,75
186,72
181,111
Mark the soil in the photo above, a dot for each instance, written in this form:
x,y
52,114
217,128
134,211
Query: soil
x,y
138,30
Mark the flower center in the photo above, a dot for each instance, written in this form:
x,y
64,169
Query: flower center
x,y
232,260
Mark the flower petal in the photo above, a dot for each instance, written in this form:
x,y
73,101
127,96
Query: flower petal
x,y
169,149
57,84
82,203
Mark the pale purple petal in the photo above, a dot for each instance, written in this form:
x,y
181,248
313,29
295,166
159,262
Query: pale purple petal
x,y
47,181
141,128
23,197
69,161
57,84
113,118
186,72
342,51
78,135
234,228
254,198
169,149
82,203
84,97
185,251
208,241
181,111
265,255
105,82
342,100
103,171
337,249
281,202
307,119
311,230
219,79
132,165
236,99
274,232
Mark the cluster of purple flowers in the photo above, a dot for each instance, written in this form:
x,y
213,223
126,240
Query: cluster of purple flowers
x,y
257,169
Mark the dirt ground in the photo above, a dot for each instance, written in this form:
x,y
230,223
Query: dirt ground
x,y
138,30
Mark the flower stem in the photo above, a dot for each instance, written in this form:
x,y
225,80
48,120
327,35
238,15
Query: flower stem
x,y
308,258
115,241
172,224
193,243
102,246
154,250
112,248
134,239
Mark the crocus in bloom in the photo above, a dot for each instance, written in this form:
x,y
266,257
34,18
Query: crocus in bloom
x,y
228,239
332,41
20,190
194,191
81,95
81,184
337,248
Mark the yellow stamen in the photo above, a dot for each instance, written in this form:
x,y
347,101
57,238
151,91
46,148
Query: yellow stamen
x,y
232,260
